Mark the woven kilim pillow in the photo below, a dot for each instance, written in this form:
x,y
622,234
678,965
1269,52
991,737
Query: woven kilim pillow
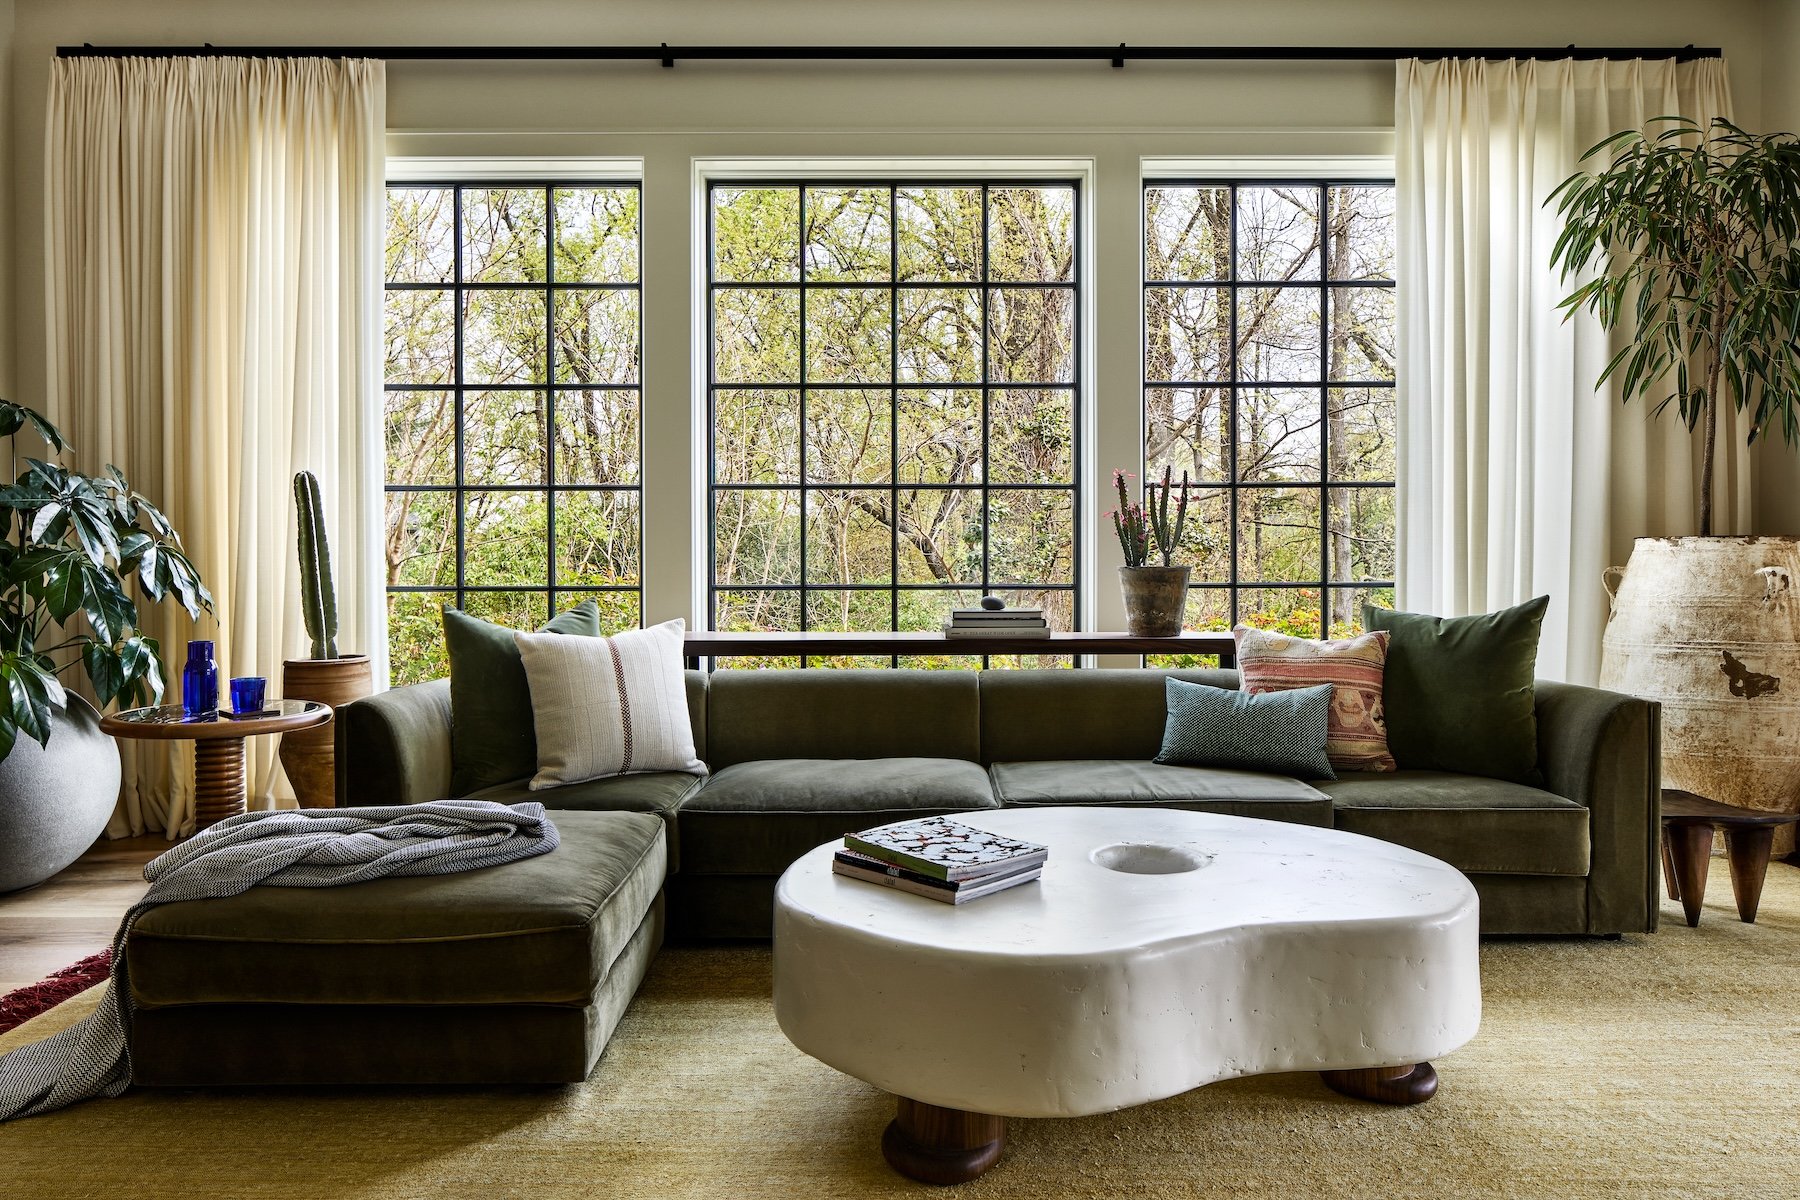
x,y
1356,735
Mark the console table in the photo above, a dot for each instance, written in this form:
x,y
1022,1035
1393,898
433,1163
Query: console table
x,y
704,644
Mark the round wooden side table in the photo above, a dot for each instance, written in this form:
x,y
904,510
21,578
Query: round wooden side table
x,y
1688,822
218,746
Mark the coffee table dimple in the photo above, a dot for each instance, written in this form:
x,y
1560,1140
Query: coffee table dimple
x,y
1161,950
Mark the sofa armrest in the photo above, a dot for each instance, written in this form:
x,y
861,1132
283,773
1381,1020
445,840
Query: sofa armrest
x,y
1603,750
394,748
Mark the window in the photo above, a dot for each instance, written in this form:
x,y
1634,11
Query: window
x,y
1269,377
893,394
512,407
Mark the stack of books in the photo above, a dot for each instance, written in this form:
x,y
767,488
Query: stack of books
x,y
997,622
939,858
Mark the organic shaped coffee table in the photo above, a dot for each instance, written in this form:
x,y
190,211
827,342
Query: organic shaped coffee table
x,y
1161,950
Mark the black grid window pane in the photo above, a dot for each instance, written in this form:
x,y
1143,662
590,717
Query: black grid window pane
x,y
894,401
512,407
1269,378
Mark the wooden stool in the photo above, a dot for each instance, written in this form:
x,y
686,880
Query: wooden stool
x,y
1688,822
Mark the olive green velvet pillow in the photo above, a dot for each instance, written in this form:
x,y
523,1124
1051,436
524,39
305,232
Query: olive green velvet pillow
x,y
1458,692
492,738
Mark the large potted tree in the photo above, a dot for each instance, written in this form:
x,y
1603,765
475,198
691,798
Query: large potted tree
x,y
309,757
75,553
1685,244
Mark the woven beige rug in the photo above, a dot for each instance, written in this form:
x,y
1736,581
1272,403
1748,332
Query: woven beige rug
x,y
1665,1065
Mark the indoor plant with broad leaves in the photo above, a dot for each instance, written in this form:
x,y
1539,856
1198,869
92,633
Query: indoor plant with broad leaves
x,y
1155,595
309,757
77,553
1684,244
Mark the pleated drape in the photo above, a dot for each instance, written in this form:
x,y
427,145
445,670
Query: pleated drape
x,y
214,278
1517,477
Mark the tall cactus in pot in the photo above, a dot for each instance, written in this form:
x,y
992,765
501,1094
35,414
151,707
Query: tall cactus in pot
x,y
318,594
309,756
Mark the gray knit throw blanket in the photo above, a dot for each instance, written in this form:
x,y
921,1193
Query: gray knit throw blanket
x,y
318,847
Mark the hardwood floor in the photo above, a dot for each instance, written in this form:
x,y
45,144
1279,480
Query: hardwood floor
x,y
45,928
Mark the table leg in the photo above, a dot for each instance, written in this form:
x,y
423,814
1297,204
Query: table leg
x,y
1747,854
1690,847
1412,1084
218,780
941,1145
1668,861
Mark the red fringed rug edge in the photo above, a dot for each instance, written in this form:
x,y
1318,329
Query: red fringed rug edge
x,y
18,1007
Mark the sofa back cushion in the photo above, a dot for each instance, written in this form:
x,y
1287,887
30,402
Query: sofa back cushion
x,y
1036,716
842,714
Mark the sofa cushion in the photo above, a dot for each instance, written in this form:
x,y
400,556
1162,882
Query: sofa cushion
x,y
1458,690
1033,715
1471,822
660,792
491,735
1132,784
756,818
842,714
542,931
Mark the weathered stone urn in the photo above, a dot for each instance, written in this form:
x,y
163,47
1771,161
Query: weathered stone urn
x,y
1710,627
1155,598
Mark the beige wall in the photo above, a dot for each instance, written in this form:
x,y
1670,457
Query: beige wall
x,y
667,118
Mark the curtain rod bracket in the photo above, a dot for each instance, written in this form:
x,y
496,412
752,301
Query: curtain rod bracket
x,y
1119,62
667,62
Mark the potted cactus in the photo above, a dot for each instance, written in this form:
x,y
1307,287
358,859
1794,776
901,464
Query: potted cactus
x,y
326,676
1155,596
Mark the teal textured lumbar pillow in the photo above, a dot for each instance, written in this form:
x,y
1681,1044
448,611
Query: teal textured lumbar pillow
x,y
492,738
1275,731
1459,692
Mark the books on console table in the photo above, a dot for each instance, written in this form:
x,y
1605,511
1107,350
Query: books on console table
x,y
943,849
997,622
992,631
852,865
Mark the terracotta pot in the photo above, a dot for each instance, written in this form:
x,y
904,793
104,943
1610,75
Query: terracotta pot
x,y
1155,598
309,757
1710,628
55,799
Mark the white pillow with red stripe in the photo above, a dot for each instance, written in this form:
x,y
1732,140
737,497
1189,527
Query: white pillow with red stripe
x,y
609,706
1355,726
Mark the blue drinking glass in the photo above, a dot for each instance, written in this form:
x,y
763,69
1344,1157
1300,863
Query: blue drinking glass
x,y
247,693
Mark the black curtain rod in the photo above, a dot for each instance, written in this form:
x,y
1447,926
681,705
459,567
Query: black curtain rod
x,y
1118,55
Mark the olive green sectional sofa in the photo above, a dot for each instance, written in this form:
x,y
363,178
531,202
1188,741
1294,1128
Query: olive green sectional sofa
x,y
802,757
518,974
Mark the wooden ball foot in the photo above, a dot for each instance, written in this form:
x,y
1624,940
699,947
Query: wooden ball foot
x,y
942,1145
1385,1085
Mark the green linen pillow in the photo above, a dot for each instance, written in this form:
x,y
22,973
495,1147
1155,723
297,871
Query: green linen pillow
x,y
492,738
1273,731
1458,693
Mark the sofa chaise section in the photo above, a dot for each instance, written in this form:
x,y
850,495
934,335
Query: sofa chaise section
x,y
509,974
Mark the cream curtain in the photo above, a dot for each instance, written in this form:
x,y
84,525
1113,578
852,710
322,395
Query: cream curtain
x,y
1516,478
214,299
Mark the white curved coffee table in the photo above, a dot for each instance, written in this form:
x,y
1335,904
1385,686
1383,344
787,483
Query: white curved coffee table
x,y
1250,947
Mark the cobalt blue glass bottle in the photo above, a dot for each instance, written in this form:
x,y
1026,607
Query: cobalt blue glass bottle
x,y
200,682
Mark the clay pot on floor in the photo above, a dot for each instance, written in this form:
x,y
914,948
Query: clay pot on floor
x,y
1155,599
1710,628
309,757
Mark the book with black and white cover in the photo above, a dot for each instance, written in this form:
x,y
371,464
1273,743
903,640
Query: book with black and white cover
x,y
943,891
998,616
941,848
856,858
